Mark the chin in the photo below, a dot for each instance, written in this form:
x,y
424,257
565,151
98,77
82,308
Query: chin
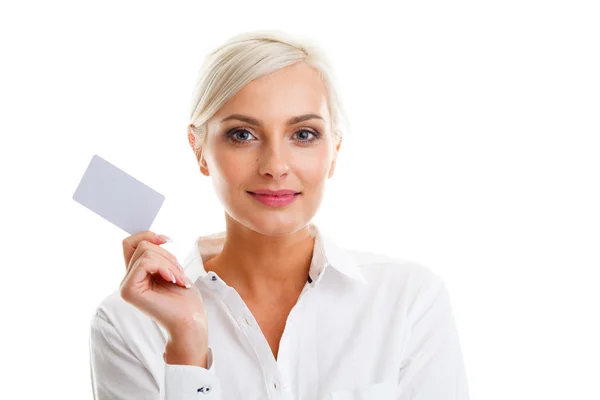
x,y
277,225
272,223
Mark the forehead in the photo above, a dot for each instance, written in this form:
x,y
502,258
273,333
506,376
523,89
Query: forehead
x,y
290,91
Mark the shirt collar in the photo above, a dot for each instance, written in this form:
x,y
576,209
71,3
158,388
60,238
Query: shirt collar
x,y
326,253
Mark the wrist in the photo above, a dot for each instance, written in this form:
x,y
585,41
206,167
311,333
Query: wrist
x,y
185,353
188,345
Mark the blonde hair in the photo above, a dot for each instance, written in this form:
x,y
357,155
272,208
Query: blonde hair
x,y
250,55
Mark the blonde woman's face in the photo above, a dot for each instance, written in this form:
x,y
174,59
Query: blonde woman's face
x,y
252,144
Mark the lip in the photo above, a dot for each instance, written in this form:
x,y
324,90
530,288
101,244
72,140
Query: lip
x,y
275,198
269,192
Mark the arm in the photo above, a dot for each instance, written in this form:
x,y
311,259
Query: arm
x,y
117,374
432,367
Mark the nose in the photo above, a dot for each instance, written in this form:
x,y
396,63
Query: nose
x,y
273,163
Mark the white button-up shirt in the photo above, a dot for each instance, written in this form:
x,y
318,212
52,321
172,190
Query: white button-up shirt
x,y
366,326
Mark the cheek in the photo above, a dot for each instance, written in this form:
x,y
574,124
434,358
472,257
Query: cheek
x,y
313,170
230,169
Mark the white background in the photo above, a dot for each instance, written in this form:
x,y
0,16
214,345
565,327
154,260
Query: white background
x,y
475,151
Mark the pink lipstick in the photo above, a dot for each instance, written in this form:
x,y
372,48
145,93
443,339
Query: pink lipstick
x,y
275,198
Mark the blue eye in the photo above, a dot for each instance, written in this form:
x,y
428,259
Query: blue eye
x,y
308,140
241,136
241,139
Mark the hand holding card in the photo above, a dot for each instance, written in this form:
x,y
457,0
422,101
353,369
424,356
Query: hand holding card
x,y
154,281
156,284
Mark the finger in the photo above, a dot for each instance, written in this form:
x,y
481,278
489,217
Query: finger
x,y
142,247
141,271
131,243
167,254
180,275
167,274
156,263
155,246
146,246
145,266
166,271
182,280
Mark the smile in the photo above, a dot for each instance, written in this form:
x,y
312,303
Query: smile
x,y
275,200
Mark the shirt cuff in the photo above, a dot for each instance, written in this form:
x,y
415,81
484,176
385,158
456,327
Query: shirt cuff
x,y
183,382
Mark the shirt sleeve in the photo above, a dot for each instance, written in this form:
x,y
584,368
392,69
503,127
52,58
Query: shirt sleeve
x,y
192,382
432,367
117,374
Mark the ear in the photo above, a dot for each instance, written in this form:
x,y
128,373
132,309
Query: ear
x,y
335,154
191,139
202,162
198,153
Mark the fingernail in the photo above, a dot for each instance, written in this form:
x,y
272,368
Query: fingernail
x,y
165,238
173,276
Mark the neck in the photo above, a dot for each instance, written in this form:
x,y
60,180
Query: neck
x,y
258,265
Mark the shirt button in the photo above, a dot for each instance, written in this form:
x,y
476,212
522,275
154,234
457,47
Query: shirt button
x,y
213,278
205,389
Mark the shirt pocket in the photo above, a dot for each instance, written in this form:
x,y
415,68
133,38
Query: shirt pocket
x,y
385,390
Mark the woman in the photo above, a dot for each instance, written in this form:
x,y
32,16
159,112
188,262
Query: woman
x,y
271,307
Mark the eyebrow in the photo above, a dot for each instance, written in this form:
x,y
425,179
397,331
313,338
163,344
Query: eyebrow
x,y
257,122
